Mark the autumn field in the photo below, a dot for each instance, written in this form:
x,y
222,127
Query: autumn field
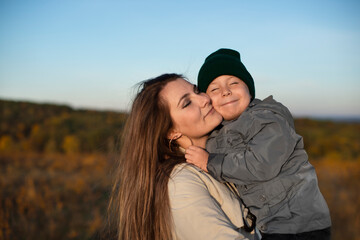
x,y
52,196
56,164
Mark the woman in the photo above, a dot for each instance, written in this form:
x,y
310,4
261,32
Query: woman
x,y
156,194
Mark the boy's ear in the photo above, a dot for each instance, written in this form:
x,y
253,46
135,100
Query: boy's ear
x,y
173,134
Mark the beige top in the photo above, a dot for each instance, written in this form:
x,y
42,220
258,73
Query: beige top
x,y
204,208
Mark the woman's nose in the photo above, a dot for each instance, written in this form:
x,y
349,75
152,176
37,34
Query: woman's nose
x,y
204,99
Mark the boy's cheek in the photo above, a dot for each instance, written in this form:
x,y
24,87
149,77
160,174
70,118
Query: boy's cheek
x,y
214,102
216,108
212,97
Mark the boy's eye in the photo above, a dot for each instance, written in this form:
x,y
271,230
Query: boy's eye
x,y
214,89
234,83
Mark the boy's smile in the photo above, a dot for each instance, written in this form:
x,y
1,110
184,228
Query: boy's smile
x,y
230,102
230,96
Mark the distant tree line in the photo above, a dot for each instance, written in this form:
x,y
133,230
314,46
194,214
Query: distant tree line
x,y
48,128
51,128
330,139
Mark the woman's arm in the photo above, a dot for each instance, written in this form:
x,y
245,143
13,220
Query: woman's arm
x,y
198,207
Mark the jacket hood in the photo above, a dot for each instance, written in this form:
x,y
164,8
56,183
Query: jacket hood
x,y
270,103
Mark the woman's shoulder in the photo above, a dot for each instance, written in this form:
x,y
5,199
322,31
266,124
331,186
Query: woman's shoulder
x,y
185,177
184,169
184,174
188,174
197,199
188,180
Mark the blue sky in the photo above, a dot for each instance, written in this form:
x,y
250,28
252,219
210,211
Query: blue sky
x,y
90,54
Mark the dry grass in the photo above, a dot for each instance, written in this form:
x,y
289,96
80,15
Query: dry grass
x,y
339,181
52,196
46,196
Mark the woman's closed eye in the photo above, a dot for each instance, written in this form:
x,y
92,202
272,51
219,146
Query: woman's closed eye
x,y
186,103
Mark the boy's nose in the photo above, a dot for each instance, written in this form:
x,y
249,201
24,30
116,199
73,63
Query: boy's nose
x,y
226,92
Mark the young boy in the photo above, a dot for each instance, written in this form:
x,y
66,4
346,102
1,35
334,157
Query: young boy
x,y
259,151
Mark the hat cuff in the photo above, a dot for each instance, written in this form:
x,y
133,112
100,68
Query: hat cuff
x,y
224,66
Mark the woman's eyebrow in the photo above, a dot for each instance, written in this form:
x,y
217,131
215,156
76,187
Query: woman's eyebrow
x,y
184,96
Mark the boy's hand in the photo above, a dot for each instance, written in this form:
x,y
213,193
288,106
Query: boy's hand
x,y
197,156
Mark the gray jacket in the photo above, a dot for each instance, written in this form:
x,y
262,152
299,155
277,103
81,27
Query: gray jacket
x,y
263,156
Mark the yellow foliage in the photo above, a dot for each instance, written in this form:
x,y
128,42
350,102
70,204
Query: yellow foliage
x,y
6,143
50,146
71,144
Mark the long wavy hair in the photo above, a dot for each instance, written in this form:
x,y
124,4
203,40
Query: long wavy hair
x,y
139,203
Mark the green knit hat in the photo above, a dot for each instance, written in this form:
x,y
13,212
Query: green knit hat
x,y
224,62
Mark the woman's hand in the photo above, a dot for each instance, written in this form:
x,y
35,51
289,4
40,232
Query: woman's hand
x,y
197,156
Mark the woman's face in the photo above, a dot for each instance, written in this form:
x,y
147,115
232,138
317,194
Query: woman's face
x,y
191,111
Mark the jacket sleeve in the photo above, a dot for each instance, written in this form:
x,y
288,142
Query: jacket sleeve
x,y
196,214
255,150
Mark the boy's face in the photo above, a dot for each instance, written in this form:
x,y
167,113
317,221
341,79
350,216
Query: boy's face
x,y
230,96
